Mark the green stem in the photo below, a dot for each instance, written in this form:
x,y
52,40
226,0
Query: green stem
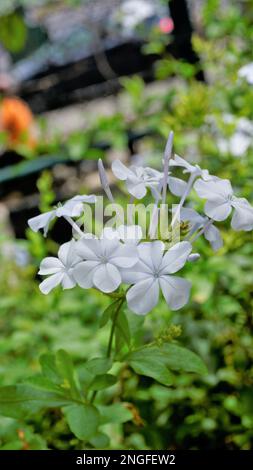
x,y
114,322
110,342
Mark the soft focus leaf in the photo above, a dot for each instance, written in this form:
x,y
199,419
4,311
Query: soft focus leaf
x,y
83,420
115,413
103,381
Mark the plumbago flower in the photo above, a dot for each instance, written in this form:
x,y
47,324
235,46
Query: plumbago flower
x,y
220,202
124,256
246,72
103,261
59,270
139,179
154,272
72,208
136,266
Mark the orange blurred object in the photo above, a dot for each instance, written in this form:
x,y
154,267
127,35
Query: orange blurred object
x,y
17,120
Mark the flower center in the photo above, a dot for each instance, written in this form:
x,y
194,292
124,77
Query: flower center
x,y
103,259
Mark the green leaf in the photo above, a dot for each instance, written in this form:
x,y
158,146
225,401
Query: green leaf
x,y
179,358
123,327
66,370
108,312
150,362
39,381
103,381
98,365
100,440
115,413
83,420
95,367
49,368
156,362
13,32
26,399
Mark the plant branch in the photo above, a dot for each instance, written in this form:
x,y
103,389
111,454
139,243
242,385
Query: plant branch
x,y
114,322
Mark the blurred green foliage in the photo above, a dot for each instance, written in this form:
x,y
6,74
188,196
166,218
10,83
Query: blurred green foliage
x,y
193,412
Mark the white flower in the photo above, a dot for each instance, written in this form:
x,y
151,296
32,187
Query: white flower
x,y
239,142
72,208
192,169
138,179
247,72
177,186
126,233
221,200
154,271
59,269
103,261
211,233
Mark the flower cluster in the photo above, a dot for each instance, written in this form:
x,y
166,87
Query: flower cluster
x,y
123,258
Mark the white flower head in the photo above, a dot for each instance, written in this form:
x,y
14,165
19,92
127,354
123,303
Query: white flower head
x,y
154,271
138,179
59,270
102,262
220,201
74,207
247,72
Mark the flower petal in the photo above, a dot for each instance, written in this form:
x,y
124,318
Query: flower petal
x,y
176,257
218,211
143,296
74,207
88,248
41,221
136,188
68,281
176,186
120,170
192,216
150,253
50,265
125,256
215,190
67,254
176,291
179,161
108,247
83,273
107,277
51,282
138,273
212,234
243,215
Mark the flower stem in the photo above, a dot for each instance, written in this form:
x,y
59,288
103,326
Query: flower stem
x,y
73,225
114,322
110,342
183,198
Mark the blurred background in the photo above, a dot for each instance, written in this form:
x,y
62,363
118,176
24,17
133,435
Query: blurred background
x,y
88,79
